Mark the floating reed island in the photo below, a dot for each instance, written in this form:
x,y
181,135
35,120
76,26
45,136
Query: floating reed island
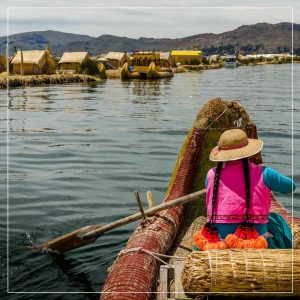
x,y
34,80
202,67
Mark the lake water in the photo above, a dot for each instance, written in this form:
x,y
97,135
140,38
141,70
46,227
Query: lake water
x,y
78,152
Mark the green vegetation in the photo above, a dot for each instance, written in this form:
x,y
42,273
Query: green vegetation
x,y
195,61
205,60
222,49
89,68
285,60
297,58
101,71
252,48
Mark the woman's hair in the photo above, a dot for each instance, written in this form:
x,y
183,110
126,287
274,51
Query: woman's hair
x,y
216,186
215,190
247,185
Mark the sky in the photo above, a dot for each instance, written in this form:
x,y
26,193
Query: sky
x,y
136,18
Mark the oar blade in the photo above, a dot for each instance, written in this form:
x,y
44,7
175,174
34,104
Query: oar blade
x,y
69,241
89,234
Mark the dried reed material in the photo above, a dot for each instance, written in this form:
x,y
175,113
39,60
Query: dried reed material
x,y
296,235
33,80
116,56
74,57
247,270
233,115
113,74
179,69
201,67
29,57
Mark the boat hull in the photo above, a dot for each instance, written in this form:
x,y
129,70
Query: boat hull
x,y
153,73
127,74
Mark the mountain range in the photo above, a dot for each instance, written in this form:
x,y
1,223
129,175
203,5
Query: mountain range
x,y
260,38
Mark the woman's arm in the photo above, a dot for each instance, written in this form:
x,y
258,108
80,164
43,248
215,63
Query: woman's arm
x,y
277,182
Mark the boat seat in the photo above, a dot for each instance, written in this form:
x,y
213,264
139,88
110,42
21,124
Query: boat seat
x,y
170,286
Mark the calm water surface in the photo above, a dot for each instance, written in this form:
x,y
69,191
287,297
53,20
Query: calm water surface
x,y
78,152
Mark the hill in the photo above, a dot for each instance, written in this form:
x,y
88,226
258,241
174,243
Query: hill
x,y
260,38
37,39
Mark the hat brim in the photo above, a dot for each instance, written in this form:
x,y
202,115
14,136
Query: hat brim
x,y
254,146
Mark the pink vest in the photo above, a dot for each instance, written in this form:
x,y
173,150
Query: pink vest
x,y
231,199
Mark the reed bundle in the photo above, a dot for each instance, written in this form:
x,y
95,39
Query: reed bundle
x,y
113,74
235,270
296,235
34,80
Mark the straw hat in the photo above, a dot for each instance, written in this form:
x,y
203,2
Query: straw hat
x,y
233,145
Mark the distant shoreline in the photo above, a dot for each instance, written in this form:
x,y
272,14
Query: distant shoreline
x,y
38,80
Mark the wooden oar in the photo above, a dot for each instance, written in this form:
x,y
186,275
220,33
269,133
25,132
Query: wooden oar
x,y
89,234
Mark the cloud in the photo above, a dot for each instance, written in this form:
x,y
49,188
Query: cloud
x,y
137,21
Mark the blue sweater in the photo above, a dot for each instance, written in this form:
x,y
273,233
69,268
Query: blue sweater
x,y
277,182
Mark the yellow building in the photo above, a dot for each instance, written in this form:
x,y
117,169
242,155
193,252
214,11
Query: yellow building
x,y
33,62
73,60
186,57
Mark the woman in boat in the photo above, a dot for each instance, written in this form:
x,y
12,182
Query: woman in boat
x,y
238,195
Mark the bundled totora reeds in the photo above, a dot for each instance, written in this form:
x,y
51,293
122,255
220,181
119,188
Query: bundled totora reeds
x,y
33,80
234,270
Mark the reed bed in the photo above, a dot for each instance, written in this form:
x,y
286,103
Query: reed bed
x,y
33,80
234,270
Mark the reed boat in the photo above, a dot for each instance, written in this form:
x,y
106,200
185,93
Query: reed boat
x,y
156,260
154,73
127,74
148,72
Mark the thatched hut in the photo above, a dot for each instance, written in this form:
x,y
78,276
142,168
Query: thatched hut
x,y
186,57
73,60
165,59
117,59
33,62
2,63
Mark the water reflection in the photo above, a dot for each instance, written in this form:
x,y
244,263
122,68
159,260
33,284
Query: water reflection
x,y
28,102
150,88
92,87
143,87
146,96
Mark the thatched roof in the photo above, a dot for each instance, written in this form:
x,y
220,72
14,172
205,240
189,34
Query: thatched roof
x,y
165,55
101,59
115,55
29,57
73,57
